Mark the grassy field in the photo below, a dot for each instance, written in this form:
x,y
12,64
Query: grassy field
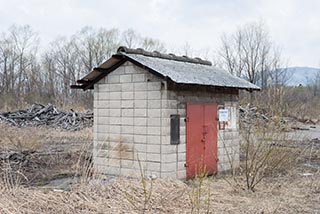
x,y
50,154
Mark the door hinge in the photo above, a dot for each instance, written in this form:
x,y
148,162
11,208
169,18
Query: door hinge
x,y
186,119
185,165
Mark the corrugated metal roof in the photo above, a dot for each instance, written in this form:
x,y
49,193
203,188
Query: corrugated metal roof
x,y
190,73
181,70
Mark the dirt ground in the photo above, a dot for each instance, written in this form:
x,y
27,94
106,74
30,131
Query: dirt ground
x,y
50,154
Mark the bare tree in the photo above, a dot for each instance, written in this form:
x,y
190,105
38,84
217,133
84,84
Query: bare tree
x,y
314,83
130,38
249,53
150,44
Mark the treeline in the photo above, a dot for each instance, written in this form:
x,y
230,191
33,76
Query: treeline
x,y
30,73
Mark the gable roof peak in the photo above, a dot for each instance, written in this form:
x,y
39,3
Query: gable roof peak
x,y
157,54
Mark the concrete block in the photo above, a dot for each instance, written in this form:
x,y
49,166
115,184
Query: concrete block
x,y
165,113
183,139
140,95
127,95
140,138
168,174
153,166
154,95
115,129
168,149
140,104
115,95
140,147
102,128
113,78
102,88
102,104
115,87
103,96
154,131
153,139
140,121
140,130
128,138
182,157
154,113
115,121
95,104
127,87
127,104
182,129
164,103
165,122
154,122
115,112
165,131
125,78
154,104
102,120
169,158
138,78
127,112
153,157
154,86
153,148
169,167
127,121
140,112
126,129
181,165
140,86
115,104
139,156
165,140
181,148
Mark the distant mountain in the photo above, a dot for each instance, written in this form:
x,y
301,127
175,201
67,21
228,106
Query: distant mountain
x,y
301,75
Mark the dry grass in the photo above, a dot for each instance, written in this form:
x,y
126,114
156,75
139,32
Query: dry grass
x,y
290,194
37,154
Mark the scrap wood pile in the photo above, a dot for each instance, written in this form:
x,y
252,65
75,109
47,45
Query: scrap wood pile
x,y
249,115
50,116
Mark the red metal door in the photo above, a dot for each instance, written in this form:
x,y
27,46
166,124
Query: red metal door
x,y
201,139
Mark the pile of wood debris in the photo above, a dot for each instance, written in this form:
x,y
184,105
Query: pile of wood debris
x,y
251,115
50,116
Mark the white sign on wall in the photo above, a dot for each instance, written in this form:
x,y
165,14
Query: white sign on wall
x,y
223,115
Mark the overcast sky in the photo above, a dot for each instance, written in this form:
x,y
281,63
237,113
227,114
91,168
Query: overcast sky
x,y
293,24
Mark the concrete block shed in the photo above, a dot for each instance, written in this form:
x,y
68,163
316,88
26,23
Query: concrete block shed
x,y
175,115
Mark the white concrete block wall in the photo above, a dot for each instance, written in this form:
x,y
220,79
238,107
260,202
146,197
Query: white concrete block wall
x,y
132,109
127,121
